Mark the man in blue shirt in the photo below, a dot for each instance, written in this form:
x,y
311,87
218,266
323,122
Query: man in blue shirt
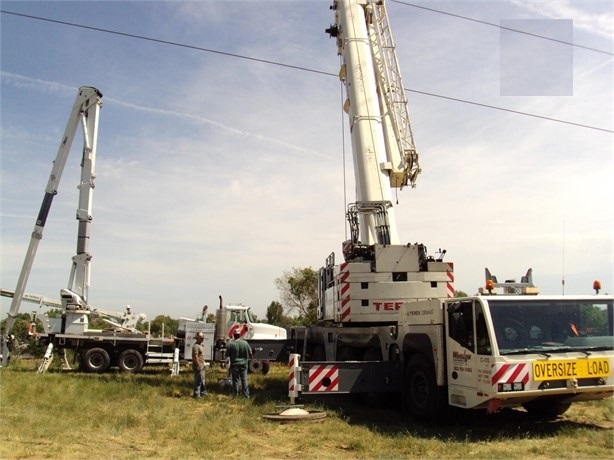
x,y
239,353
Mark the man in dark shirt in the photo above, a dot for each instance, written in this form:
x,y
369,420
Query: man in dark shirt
x,y
239,353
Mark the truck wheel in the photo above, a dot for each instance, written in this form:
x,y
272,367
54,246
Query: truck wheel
x,y
255,366
96,360
373,399
130,361
546,408
421,396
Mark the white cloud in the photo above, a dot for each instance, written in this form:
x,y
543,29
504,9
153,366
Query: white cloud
x,y
598,23
217,174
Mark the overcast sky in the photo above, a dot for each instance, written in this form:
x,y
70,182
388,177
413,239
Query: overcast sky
x,y
217,173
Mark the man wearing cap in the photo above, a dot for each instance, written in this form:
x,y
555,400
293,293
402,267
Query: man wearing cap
x,y
198,366
239,353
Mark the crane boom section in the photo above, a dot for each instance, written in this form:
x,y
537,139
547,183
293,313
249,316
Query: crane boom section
x,y
384,151
403,156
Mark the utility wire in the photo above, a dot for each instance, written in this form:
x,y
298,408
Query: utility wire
x,y
510,110
503,27
280,64
165,42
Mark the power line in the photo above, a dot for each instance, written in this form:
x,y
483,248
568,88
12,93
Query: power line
x,y
280,64
510,110
165,42
503,27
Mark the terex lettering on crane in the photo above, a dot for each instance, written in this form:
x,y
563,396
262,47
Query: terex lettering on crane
x,y
388,306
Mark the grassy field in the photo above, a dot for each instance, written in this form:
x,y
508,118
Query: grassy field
x,y
68,415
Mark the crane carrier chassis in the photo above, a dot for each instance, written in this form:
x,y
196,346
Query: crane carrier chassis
x,y
482,352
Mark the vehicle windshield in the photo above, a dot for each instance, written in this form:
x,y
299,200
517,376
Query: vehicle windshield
x,y
242,315
552,325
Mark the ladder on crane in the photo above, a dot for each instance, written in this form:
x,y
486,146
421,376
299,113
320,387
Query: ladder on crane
x,y
391,85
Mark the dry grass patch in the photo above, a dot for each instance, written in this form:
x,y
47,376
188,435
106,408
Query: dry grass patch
x,y
151,415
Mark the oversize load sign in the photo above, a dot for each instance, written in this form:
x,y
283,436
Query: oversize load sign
x,y
572,368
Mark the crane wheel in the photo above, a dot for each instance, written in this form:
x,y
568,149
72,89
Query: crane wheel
x,y
421,396
373,399
130,361
546,408
96,360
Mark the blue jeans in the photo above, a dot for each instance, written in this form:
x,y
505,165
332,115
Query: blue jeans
x,y
199,381
239,372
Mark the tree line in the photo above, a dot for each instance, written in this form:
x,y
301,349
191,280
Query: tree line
x,y
298,292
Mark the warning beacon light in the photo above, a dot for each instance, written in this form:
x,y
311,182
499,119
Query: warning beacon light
x,y
596,286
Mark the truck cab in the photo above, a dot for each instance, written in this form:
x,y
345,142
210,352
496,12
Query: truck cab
x,y
241,318
541,352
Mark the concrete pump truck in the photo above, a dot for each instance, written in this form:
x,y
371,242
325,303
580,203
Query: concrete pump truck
x,y
120,344
388,318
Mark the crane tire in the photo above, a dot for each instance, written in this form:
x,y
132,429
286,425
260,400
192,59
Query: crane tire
x,y
421,396
96,360
373,398
130,361
546,408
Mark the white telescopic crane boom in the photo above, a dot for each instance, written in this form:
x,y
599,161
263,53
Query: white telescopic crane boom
x,y
382,142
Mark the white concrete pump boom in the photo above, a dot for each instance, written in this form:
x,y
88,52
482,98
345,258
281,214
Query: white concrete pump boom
x,y
85,111
385,155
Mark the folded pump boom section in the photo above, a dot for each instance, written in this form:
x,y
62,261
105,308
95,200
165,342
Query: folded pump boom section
x,y
85,112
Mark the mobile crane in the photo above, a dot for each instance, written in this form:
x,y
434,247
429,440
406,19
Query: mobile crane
x,y
388,319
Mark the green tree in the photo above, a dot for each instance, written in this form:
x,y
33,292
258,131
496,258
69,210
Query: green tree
x,y
275,313
20,326
594,319
24,342
96,322
298,290
459,293
164,324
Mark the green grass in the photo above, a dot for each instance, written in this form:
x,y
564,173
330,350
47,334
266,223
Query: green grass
x,y
69,414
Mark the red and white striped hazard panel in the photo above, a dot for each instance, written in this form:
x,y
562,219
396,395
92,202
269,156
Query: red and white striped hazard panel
x,y
292,365
344,293
450,284
510,373
324,377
